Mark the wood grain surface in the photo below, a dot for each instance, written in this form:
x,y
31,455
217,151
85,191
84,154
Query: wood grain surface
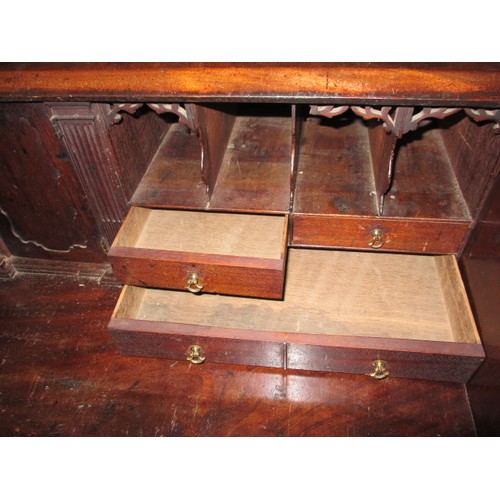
x,y
39,190
481,271
368,83
60,375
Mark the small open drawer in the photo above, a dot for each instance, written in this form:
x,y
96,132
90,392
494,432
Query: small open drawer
x,y
236,254
372,233
353,312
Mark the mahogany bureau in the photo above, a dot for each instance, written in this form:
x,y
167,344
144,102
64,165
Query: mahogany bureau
x,y
303,217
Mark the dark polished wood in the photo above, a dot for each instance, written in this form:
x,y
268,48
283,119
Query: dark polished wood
x,y
366,83
107,172
481,265
448,362
398,235
330,333
474,154
135,140
217,274
61,375
382,149
43,211
483,275
214,127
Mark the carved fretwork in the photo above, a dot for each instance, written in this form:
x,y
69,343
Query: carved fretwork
x,y
426,113
401,120
328,111
481,115
369,112
184,117
114,111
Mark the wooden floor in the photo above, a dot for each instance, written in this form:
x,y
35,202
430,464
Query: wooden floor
x,y
60,375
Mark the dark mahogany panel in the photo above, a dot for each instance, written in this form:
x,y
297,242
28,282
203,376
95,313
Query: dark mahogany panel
x,y
173,341
444,367
43,210
481,266
135,141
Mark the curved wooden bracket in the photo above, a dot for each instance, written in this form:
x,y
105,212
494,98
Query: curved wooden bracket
x,y
115,117
328,111
481,115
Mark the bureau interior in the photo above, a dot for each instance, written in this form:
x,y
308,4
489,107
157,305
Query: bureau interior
x,y
255,170
332,293
173,175
249,157
238,159
338,171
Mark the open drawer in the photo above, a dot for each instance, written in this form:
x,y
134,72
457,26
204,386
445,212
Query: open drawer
x,y
354,312
237,254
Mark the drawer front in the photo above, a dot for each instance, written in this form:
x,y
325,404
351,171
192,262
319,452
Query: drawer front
x,y
199,344
233,254
372,233
382,363
189,271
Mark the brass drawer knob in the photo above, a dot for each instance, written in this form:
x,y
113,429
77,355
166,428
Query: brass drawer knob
x,y
380,371
377,240
192,284
195,356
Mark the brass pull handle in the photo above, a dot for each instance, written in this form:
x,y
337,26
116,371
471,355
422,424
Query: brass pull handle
x,y
376,241
380,372
192,284
195,356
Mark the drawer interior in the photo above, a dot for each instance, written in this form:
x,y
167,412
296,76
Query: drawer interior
x,y
244,235
332,293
